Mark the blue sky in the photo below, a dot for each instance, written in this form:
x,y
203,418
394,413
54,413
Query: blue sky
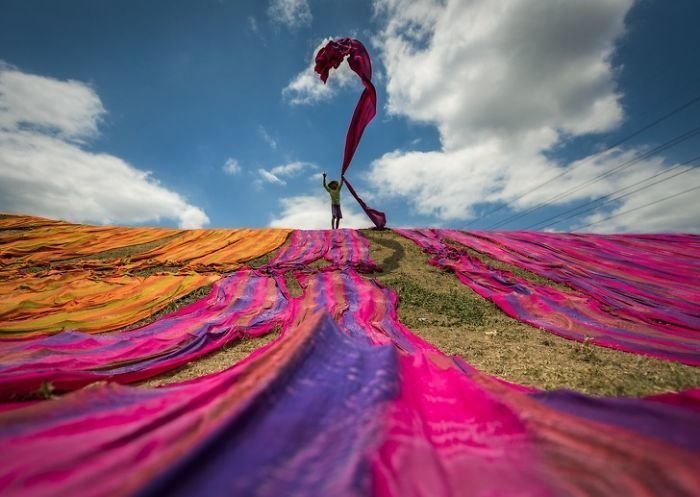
x,y
207,113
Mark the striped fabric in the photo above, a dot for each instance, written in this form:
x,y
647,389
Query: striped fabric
x,y
245,304
38,305
346,402
645,320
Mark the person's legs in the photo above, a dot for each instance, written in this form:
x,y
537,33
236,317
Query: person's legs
x,y
333,223
337,216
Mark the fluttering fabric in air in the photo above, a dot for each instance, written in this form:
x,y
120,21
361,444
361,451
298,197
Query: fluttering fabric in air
x,y
331,56
649,319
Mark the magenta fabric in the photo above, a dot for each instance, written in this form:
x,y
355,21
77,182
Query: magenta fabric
x,y
652,280
341,248
331,56
347,402
601,319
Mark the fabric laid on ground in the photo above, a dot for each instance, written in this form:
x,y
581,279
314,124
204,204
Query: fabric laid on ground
x,y
45,244
335,407
204,250
220,249
341,248
572,314
35,305
244,304
16,221
331,56
249,302
652,280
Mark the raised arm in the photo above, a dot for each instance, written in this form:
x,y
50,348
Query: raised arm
x,y
342,182
324,183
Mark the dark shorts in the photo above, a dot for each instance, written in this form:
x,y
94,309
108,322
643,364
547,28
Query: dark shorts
x,y
335,209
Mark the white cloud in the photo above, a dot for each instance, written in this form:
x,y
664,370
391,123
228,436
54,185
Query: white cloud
x,y
307,88
289,170
314,212
678,213
69,109
231,166
267,137
45,171
269,177
291,13
504,83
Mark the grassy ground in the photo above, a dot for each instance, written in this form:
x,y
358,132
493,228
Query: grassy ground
x,y
437,307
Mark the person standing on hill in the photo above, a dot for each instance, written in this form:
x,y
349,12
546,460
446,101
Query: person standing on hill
x,y
333,189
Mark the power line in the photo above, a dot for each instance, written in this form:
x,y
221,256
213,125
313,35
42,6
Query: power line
x,y
576,211
582,161
671,143
640,207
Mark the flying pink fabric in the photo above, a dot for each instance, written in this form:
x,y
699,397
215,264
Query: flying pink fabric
x,y
617,300
331,56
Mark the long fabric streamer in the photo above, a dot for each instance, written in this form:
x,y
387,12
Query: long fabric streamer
x,y
331,56
594,311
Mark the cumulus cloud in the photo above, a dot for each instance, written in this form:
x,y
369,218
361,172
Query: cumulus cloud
x,y
668,206
291,13
503,83
314,212
306,88
231,166
44,169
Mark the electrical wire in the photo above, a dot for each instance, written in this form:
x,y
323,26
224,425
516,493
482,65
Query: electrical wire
x,y
582,161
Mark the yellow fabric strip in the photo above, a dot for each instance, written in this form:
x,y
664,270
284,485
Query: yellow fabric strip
x,y
34,305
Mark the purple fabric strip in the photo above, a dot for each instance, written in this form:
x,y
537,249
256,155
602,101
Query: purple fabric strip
x,y
308,434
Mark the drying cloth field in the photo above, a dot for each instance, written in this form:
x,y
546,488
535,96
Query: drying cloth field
x,y
141,361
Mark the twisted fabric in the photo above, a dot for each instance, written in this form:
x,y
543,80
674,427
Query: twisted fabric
x,y
331,56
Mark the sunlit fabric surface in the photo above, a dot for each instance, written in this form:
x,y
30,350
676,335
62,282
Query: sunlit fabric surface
x,y
617,297
346,402
41,304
